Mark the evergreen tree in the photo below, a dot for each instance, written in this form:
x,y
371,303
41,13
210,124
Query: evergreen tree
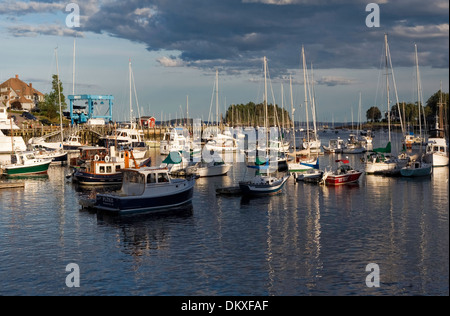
x,y
50,106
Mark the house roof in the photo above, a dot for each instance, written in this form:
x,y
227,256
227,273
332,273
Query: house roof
x,y
20,87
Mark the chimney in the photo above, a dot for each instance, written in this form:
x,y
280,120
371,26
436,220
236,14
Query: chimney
x,y
31,86
17,76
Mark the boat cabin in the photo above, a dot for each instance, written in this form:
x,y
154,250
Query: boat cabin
x,y
437,147
135,181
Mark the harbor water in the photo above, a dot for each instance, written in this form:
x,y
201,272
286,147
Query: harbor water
x,y
308,240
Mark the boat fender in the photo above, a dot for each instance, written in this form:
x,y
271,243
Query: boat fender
x,y
107,159
96,158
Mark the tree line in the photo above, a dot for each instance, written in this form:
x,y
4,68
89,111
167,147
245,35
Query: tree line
x,y
252,114
410,111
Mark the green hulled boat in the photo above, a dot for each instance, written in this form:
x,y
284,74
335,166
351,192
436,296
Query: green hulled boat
x,y
26,164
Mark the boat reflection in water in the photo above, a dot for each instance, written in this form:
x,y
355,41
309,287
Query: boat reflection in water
x,y
141,234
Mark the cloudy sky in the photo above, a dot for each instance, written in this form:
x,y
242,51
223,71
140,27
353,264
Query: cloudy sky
x,y
175,47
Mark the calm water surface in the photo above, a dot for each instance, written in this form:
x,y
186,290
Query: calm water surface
x,y
309,240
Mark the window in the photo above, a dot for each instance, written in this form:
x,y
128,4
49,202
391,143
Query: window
x,y
162,177
102,169
441,149
436,148
108,169
151,178
117,168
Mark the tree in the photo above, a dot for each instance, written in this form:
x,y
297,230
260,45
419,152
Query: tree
x,y
253,114
373,114
432,103
50,106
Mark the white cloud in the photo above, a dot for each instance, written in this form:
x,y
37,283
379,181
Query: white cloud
x,y
33,31
335,81
22,7
170,62
422,31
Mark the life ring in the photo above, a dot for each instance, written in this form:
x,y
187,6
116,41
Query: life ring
x,y
106,158
96,158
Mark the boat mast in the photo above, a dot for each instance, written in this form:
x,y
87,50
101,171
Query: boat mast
x,y
314,111
131,106
306,94
292,110
266,110
387,86
59,97
217,99
418,92
73,68
282,110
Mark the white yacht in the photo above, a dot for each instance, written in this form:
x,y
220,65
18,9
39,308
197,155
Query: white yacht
x,y
438,150
175,140
129,138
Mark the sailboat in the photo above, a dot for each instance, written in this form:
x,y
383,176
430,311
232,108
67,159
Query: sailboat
x,y
417,168
220,142
304,160
264,182
312,141
380,160
129,136
354,144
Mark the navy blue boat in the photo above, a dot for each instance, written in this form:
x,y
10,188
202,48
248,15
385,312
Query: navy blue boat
x,y
147,189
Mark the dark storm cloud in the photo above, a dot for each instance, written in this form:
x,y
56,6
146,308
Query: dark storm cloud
x,y
235,34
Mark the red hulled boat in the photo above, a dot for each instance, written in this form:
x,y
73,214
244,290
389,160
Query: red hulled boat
x,y
342,175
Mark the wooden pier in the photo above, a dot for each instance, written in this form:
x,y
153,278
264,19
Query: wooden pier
x,y
89,135
16,185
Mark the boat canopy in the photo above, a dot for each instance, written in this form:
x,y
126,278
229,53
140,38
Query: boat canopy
x,y
387,149
174,158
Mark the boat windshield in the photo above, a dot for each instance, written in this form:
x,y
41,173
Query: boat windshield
x,y
133,183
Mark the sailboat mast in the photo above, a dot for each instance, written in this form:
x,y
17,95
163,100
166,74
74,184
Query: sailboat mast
x,y
266,111
314,112
59,97
131,101
292,110
387,86
73,68
217,100
306,94
282,107
418,90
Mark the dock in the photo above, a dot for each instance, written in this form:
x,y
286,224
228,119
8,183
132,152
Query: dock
x,y
4,186
231,191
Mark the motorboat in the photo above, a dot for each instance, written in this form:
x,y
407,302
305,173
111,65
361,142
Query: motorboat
x,y
26,164
209,169
175,140
437,148
344,174
8,144
335,146
57,156
353,146
149,189
129,138
222,143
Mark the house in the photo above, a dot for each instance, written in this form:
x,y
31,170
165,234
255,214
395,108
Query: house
x,y
149,122
16,94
